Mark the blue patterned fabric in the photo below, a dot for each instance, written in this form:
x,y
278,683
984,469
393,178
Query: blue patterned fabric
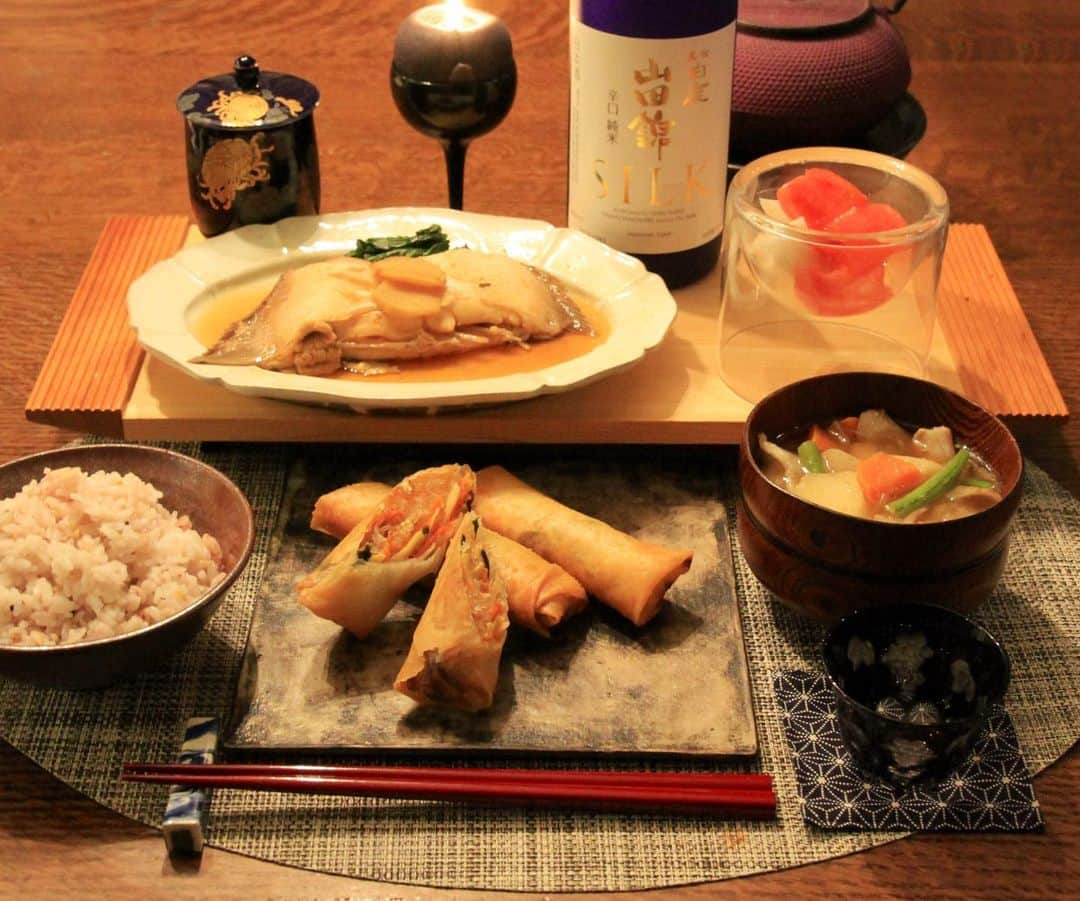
x,y
991,791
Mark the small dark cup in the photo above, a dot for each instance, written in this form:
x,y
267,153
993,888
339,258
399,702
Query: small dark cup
x,y
251,151
914,684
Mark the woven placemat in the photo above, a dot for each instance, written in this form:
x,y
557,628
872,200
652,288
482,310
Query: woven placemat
x,y
83,738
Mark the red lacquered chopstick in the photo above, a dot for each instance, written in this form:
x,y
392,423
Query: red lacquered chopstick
x,y
668,798
731,781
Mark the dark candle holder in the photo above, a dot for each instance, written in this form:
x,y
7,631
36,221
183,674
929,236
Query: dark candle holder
x,y
453,78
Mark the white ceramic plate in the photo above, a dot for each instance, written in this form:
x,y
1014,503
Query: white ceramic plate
x,y
638,305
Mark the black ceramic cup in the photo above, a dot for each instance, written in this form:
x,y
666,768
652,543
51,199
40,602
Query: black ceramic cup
x,y
250,147
914,684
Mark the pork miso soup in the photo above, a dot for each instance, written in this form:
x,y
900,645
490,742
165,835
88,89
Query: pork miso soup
x,y
872,467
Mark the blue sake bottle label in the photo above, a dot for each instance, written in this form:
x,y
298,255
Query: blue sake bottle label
x,y
649,137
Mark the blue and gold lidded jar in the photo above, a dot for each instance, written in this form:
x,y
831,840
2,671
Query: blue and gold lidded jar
x,y
251,151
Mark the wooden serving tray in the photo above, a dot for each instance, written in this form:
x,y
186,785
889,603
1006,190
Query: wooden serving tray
x,y
96,378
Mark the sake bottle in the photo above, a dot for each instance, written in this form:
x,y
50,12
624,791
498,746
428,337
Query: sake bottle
x,y
650,110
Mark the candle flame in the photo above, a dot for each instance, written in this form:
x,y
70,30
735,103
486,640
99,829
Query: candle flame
x,y
454,15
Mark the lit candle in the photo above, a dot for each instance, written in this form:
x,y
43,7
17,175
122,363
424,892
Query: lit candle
x,y
453,78
451,43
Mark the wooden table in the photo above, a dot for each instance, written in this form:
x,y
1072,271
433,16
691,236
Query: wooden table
x,y
90,130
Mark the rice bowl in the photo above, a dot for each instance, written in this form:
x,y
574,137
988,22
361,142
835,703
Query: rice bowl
x,y
94,556
193,489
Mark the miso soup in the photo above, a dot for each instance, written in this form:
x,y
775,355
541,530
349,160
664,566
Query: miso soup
x,y
872,467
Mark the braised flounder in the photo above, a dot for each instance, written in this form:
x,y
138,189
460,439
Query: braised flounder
x,y
325,316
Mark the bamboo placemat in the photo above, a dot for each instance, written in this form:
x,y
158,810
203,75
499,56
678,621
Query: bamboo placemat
x,y
83,737
87,377
96,379
988,332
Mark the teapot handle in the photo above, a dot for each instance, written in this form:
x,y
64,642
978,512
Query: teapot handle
x,y
890,9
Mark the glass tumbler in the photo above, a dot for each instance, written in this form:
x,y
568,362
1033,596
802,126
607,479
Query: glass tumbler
x,y
844,296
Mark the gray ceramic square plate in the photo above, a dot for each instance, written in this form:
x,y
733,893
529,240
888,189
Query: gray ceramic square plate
x,y
677,686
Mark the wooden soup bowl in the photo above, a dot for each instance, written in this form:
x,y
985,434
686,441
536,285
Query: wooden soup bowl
x,y
828,564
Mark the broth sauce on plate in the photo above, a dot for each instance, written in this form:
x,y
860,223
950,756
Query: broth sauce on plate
x,y
208,321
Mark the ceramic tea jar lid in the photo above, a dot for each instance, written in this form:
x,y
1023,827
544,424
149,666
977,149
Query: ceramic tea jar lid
x,y
248,98
810,72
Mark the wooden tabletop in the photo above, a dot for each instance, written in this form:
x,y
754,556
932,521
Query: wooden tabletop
x,y
90,130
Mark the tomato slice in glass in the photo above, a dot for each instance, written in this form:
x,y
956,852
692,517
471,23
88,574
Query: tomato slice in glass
x,y
838,291
819,196
874,217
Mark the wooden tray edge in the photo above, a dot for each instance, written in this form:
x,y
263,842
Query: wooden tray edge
x,y
88,373
987,330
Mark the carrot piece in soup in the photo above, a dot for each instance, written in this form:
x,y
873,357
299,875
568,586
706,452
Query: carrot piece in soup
x,y
884,477
843,431
823,440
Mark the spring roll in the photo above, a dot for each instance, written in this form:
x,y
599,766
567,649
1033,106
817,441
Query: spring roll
x,y
540,594
402,540
338,512
454,657
628,575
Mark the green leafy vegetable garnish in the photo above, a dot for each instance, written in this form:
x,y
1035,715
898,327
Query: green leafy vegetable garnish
x,y
426,241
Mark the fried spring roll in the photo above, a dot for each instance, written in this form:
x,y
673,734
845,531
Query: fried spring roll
x,y
402,540
455,652
628,575
540,594
337,512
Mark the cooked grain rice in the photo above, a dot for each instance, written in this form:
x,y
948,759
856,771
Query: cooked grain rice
x,y
92,556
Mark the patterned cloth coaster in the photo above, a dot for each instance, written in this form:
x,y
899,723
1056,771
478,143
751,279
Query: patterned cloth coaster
x,y
991,791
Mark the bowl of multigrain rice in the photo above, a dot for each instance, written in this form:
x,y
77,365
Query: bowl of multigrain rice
x,y
112,558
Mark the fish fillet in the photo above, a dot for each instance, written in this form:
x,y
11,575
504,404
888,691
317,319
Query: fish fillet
x,y
324,315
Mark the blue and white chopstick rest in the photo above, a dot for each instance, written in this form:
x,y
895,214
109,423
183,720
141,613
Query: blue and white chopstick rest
x,y
187,811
